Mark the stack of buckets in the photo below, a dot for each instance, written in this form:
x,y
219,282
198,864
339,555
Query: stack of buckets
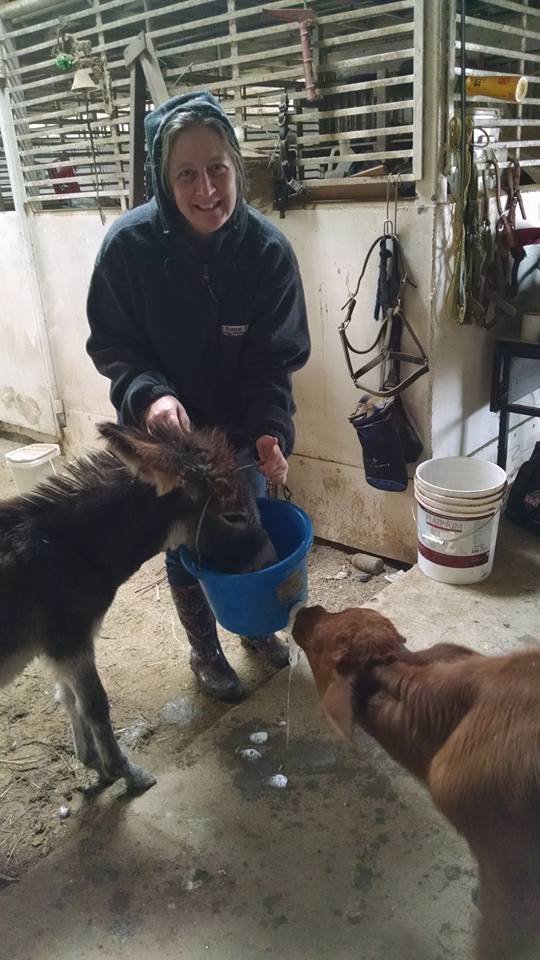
x,y
459,501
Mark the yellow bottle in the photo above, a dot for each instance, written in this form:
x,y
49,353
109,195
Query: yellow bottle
x,y
513,89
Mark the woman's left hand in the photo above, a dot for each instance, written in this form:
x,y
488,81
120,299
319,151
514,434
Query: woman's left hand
x,y
272,463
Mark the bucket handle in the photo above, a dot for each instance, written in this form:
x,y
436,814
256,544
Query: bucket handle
x,y
438,541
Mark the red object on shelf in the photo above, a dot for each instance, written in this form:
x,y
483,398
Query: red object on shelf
x,y
57,173
527,234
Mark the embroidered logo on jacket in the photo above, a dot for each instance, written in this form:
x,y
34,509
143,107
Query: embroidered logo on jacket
x,y
231,330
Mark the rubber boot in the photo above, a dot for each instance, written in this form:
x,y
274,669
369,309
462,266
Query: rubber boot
x,y
273,650
207,660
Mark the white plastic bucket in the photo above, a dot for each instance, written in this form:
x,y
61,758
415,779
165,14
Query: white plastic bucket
x,y
458,505
464,477
32,464
457,526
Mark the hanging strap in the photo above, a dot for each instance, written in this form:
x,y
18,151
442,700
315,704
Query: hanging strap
x,y
390,289
289,184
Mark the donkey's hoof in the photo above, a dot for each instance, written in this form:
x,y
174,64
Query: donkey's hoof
x,y
138,778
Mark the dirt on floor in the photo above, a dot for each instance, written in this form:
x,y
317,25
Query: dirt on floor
x,y
157,710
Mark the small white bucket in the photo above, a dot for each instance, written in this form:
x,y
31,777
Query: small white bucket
x,y
458,506
465,477
32,464
457,526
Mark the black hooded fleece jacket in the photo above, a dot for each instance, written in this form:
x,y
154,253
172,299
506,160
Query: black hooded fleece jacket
x,y
221,328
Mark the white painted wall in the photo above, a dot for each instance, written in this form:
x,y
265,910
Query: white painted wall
x,y
67,244
331,240
25,401
326,472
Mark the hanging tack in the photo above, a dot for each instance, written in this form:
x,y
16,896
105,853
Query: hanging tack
x,y
388,226
397,181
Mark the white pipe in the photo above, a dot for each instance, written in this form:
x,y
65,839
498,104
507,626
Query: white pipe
x,y
22,8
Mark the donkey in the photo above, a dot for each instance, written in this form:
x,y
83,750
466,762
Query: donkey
x,y
67,547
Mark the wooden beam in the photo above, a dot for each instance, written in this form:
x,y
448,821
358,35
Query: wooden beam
x,y
136,136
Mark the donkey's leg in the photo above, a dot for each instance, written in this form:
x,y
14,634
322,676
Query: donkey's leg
x,y
83,740
91,705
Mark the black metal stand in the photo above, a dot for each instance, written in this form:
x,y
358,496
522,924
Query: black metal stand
x,y
502,387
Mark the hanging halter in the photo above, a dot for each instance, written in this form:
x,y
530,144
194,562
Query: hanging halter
x,y
389,301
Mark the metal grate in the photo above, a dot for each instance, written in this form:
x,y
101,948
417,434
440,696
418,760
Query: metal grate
x,y
503,38
368,60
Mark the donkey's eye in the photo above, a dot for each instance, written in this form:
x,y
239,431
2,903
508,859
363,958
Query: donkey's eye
x,y
235,518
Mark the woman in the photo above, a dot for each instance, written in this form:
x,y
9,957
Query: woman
x,y
197,316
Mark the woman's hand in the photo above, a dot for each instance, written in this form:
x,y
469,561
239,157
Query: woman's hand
x,y
272,463
167,413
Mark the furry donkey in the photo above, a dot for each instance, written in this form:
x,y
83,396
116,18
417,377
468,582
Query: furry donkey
x,y
65,550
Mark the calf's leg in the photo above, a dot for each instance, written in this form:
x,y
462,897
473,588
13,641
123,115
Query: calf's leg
x,y
509,898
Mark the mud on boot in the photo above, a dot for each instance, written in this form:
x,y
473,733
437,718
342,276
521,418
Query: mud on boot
x,y
207,660
216,676
270,648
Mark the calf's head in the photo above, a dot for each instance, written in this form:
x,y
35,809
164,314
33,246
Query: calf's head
x,y
342,650
213,510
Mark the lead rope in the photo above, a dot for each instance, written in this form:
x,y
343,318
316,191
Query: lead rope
x,y
199,526
247,466
272,491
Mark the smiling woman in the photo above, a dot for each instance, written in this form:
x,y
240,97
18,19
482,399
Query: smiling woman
x,y
197,316
201,175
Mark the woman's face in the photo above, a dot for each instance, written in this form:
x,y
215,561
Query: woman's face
x,y
203,179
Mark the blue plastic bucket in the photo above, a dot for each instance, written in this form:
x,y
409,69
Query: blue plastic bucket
x,y
256,604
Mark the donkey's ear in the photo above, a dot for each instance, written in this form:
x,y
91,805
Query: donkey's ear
x,y
337,704
152,459
134,447
127,443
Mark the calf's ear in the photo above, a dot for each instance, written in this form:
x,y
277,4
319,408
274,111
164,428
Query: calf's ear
x,y
337,704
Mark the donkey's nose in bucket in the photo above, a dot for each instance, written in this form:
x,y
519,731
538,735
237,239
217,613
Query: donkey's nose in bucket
x,y
257,604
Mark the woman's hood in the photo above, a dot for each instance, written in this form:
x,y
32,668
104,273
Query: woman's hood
x,y
155,123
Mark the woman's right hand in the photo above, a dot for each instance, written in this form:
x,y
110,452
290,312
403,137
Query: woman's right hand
x,y
167,413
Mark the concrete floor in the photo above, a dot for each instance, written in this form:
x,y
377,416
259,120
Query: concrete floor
x,y
349,861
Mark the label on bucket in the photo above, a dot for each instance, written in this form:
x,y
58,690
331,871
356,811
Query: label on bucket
x,y
452,542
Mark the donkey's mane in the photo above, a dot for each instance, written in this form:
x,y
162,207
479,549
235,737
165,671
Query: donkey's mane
x,y
82,475
205,451
212,448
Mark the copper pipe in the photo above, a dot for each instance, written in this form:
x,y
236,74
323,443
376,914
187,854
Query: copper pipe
x,y
305,18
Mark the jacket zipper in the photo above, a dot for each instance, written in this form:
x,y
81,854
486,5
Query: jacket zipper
x,y
206,281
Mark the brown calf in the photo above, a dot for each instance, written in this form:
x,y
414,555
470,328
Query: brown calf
x,y
468,726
